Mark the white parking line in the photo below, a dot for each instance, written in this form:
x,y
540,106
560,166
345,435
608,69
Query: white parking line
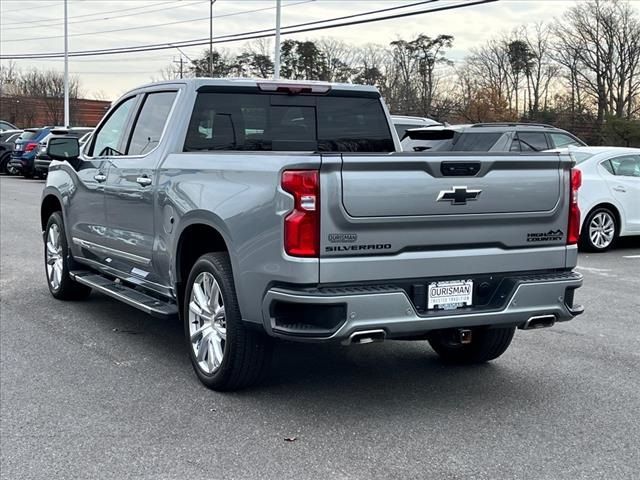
x,y
597,271
631,256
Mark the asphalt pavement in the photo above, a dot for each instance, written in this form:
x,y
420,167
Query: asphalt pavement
x,y
96,389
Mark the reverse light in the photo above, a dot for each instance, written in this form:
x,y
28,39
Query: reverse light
x,y
302,225
573,230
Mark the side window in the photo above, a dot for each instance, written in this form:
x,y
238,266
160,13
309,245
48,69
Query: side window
x,y
626,166
560,140
107,139
533,141
150,123
607,166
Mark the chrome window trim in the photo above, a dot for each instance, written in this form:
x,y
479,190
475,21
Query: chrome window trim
x,y
178,92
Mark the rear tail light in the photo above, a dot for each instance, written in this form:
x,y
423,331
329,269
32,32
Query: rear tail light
x,y
302,225
30,146
573,231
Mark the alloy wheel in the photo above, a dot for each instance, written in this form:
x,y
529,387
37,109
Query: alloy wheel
x,y
207,323
54,256
602,230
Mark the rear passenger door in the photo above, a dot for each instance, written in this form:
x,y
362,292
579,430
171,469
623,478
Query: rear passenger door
x,y
129,191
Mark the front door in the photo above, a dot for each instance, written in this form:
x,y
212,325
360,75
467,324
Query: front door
x,y
130,189
87,219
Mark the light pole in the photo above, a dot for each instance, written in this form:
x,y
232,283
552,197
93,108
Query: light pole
x,y
276,61
211,2
66,68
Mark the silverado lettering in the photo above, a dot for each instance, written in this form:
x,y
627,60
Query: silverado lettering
x,y
352,248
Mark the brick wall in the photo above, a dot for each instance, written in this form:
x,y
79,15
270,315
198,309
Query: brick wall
x,y
37,112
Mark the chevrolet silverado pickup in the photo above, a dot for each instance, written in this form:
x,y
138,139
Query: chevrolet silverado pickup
x,y
259,209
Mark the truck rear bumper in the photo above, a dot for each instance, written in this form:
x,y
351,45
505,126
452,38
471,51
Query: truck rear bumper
x,y
335,314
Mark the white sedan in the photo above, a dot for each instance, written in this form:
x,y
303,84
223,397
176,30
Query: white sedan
x,y
609,198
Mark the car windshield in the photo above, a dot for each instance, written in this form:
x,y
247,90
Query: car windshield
x,y
581,156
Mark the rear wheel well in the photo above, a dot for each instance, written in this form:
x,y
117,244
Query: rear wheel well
x,y
608,206
50,204
195,241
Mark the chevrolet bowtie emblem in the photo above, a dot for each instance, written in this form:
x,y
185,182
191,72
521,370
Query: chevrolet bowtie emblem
x,y
458,195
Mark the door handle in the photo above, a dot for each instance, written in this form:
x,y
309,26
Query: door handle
x,y
143,181
619,189
100,177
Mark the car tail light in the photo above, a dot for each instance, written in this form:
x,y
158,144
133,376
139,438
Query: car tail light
x,y
302,225
30,146
573,231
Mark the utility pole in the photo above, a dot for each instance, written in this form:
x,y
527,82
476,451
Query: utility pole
x,y
276,62
211,2
179,62
66,68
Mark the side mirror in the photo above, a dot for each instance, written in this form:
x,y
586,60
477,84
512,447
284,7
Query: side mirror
x,y
63,148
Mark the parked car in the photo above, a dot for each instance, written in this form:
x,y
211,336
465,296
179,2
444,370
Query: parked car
x,y
491,137
402,123
4,125
7,139
610,196
25,149
260,209
42,160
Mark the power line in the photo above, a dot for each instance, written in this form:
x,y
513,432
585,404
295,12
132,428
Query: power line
x,y
244,12
188,42
253,35
85,20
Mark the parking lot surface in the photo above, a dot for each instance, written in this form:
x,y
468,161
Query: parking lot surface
x,y
96,389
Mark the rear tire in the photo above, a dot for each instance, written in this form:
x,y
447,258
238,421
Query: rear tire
x,y
600,230
56,262
225,353
486,344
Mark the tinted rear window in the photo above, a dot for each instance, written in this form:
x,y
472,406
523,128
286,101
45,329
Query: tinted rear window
x,y
262,122
475,142
28,134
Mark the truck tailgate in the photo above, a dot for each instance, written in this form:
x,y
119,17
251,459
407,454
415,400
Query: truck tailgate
x,y
416,215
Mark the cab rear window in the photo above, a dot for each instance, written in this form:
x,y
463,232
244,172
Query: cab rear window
x,y
265,122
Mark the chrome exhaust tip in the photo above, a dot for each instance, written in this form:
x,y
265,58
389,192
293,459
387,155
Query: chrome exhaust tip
x,y
366,336
539,321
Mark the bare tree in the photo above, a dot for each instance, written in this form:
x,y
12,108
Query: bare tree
x,y
598,44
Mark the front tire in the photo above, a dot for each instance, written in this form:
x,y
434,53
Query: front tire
x,y
225,354
56,262
486,344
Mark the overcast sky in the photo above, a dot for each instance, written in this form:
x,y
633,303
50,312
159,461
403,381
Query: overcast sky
x,y
36,26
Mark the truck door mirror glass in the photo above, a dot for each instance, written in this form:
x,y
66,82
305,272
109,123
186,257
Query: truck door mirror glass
x,y
66,148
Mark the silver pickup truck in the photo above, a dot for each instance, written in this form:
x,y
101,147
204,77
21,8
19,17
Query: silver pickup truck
x,y
260,209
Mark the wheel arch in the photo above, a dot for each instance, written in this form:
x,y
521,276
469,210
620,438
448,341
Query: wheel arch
x,y
50,203
610,206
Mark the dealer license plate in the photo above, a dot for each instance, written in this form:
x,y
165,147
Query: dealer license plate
x,y
450,295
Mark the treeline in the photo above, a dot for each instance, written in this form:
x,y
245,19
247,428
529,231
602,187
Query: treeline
x,y
580,71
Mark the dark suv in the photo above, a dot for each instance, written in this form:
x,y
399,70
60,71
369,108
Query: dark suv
x,y
25,149
489,137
